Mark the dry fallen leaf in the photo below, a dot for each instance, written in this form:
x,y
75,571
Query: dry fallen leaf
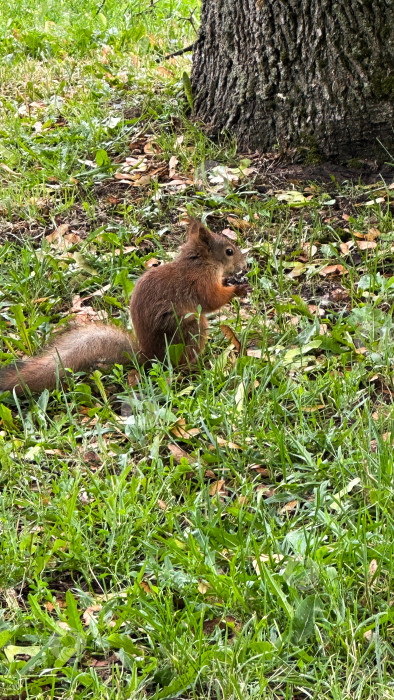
x,y
254,352
133,378
225,443
309,249
344,248
88,615
172,166
209,625
180,431
261,470
372,234
162,504
106,51
146,587
289,507
229,233
152,262
56,237
372,569
378,200
165,71
178,453
366,245
316,310
151,148
265,558
8,170
239,223
374,443
230,335
339,294
218,487
332,270
104,663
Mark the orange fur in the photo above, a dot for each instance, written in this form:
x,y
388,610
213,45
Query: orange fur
x,y
168,306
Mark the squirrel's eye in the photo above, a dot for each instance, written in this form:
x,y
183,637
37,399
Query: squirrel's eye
x,y
229,251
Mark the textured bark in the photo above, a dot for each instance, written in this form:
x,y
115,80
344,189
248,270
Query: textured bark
x,y
312,74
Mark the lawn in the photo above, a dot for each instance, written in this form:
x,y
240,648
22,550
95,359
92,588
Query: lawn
x,y
226,534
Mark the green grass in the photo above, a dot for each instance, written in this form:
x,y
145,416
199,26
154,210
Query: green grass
x,y
128,570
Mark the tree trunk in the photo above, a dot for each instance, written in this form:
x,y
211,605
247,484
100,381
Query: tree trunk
x,y
315,75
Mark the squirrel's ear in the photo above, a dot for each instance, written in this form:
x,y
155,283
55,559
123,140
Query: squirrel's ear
x,y
196,229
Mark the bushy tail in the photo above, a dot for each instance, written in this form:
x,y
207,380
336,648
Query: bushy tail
x,y
82,348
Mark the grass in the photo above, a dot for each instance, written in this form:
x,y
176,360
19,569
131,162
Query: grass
x,y
224,535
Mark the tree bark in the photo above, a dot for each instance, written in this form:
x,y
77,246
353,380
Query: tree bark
x,y
315,75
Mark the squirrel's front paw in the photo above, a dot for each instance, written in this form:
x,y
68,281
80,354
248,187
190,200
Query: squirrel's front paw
x,y
242,290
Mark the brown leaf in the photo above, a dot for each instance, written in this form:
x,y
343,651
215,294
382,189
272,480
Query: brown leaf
x,y
88,615
152,262
333,270
230,335
243,500
104,663
374,443
261,470
289,507
165,71
239,223
372,569
339,294
229,233
151,147
143,181
162,504
309,249
180,432
56,237
172,166
218,487
209,625
133,378
316,310
372,234
265,558
91,457
178,453
366,245
11,598
344,248
146,587
254,352
227,443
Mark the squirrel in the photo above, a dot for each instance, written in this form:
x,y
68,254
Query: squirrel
x,y
168,305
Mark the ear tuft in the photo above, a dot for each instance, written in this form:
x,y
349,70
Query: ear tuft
x,y
196,229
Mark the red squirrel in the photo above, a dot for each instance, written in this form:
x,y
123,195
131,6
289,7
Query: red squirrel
x,y
168,306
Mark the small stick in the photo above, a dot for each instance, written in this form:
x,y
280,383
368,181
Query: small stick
x,y
181,51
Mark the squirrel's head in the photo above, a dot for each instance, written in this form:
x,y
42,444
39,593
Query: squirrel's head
x,y
214,247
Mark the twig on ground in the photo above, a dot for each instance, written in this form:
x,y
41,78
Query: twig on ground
x,y
181,51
